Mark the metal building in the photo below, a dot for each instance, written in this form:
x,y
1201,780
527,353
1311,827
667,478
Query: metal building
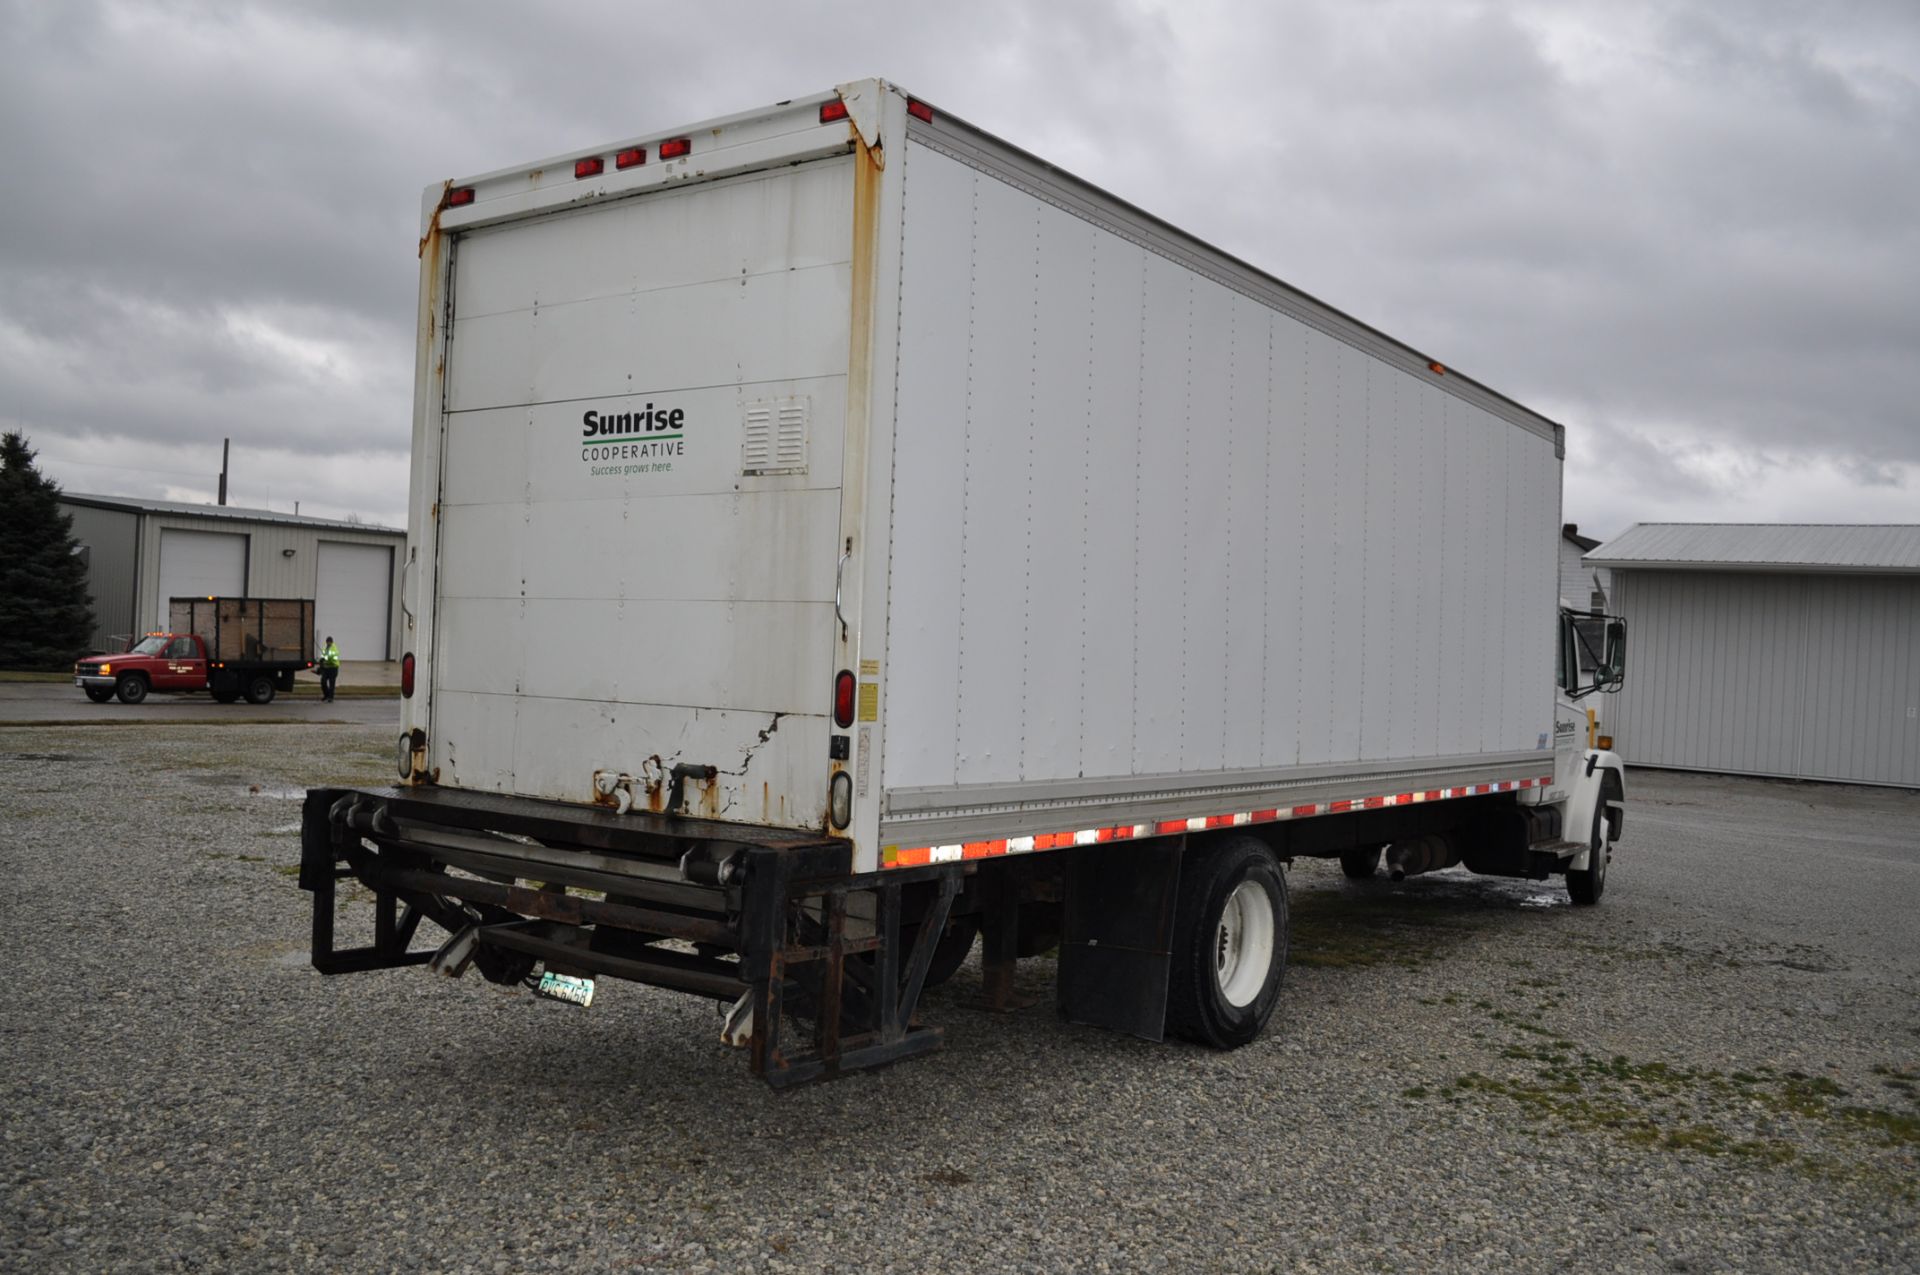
x,y
139,553
1767,649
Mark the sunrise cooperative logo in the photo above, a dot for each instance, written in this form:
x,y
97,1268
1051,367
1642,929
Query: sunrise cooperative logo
x,y
649,440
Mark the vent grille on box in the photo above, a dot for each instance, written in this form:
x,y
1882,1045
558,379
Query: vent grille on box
x,y
776,437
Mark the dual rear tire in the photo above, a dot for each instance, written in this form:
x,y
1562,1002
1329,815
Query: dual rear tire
x,y
1230,943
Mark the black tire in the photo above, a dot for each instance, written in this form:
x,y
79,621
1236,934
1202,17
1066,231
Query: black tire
x,y
1586,886
225,686
1360,862
1199,1007
260,689
98,694
950,953
131,688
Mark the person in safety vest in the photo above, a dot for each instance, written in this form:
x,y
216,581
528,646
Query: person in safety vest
x,y
329,669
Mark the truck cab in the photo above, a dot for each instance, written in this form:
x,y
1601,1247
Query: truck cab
x,y
157,662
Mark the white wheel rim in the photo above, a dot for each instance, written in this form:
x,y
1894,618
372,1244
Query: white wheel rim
x,y
1243,945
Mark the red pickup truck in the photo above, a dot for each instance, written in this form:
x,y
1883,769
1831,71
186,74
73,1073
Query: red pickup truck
x,y
228,646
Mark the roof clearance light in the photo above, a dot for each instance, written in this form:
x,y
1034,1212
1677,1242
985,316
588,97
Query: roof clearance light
x,y
831,111
1437,369
632,157
920,110
460,198
675,148
588,167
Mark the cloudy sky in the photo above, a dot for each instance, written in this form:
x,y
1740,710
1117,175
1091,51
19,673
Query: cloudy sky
x,y
1689,231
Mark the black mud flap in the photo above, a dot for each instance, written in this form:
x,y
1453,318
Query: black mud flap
x,y
1116,951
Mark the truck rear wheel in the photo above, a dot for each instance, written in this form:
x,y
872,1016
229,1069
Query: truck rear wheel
x,y
224,686
131,688
1586,885
952,949
1360,862
1229,943
259,689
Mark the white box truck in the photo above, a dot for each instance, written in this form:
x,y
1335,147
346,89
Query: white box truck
x,y
839,534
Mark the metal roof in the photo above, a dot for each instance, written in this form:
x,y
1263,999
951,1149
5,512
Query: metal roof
x,y
1887,549
181,508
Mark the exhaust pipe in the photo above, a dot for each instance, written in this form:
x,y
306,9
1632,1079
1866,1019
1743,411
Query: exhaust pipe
x,y
1415,855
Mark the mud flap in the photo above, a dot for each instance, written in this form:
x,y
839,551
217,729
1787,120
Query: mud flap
x,y
1117,945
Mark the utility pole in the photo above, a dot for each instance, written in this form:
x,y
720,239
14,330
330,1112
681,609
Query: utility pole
x,y
224,444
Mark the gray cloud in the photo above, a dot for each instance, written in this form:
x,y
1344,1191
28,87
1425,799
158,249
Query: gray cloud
x,y
1691,232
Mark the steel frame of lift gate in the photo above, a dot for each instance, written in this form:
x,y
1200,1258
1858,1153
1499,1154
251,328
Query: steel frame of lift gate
x,y
823,1001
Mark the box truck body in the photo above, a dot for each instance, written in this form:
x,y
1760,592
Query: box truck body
x,y
838,474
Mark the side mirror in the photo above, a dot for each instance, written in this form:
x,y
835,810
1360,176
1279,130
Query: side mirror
x,y
1613,670
1593,653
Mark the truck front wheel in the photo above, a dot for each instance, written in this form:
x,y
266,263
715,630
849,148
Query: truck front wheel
x,y
260,689
99,694
1360,862
1586,885
1229,943
131,688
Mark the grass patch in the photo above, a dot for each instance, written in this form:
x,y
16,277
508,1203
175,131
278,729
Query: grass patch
x,y
1756,1116
1332,929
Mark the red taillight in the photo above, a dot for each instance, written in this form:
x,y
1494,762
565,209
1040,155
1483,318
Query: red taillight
x,y
588,167
632,157
843,698
460,198
406,675
676,148
920,111
831,111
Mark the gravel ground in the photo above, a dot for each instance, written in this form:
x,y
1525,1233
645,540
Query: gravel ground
x,y
1715,1069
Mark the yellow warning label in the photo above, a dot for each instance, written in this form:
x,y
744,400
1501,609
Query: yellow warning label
x,y
869,668
869,702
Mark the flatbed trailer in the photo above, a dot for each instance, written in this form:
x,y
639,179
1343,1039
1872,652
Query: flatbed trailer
x,y
840,534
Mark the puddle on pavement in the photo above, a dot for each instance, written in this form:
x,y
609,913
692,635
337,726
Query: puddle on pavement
x,y
278,792
46,757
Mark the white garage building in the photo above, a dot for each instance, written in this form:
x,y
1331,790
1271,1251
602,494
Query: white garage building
x,y
1770,649
140,553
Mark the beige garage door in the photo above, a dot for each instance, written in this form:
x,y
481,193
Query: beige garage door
x,y
351,598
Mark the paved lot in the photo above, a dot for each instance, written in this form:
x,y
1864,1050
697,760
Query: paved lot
x,y
44,703
1715,1069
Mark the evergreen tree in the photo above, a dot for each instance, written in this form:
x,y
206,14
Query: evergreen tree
x,y
46,616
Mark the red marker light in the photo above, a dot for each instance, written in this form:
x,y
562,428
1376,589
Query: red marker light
x,y
631,158
588,167
676,148
843,698
460,198
920,110
831,111
406,675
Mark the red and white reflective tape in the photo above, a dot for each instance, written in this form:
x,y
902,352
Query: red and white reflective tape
x,y
917,856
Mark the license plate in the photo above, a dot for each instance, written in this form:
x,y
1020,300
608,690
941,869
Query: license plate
x,y
563,987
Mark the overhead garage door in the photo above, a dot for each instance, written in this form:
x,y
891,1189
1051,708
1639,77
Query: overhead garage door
x,y
351,598
199,564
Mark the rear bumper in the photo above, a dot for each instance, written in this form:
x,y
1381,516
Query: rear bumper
x,y
587,892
